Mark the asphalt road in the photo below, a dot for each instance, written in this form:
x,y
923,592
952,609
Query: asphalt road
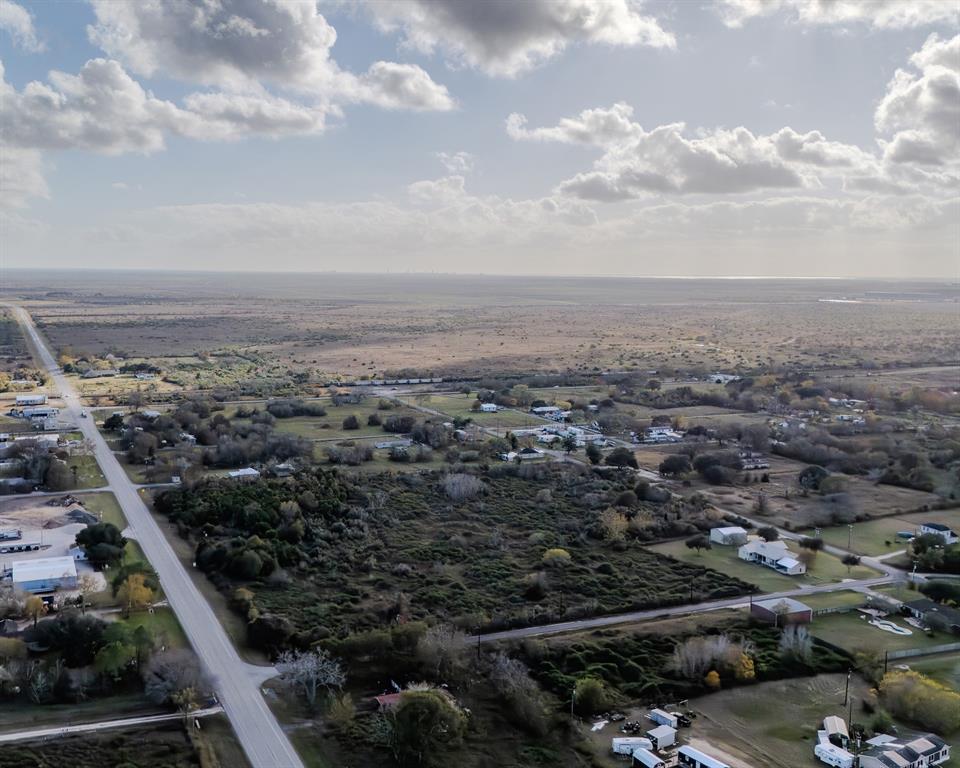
x,y
104,725
237,683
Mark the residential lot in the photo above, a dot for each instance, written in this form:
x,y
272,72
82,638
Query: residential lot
x,y
824,568
879,537
853,632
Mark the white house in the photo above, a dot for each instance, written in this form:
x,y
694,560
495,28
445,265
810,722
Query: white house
x,y
773,554
920,751
545,410
728,535
938,529
247,473
489,408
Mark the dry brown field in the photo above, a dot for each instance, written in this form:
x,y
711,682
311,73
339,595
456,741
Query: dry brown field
x,y
354,325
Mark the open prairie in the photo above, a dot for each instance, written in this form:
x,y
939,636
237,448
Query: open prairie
x,y
260,325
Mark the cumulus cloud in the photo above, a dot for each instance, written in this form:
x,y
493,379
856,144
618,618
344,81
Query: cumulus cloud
x,y
456,162
881,14
250,45
16,21
921,108
505,38
668,160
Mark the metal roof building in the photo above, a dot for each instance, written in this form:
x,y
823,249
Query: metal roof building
x,y
45,574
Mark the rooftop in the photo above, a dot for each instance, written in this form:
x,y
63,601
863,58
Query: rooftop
x,y
43,568
779,604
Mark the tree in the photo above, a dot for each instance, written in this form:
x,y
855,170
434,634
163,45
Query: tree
x,y
621,457
796,642
811,477
922,701
590,696
114,659
850,560
103,544
569,444
768,533
443,650
113,422
423,723
555,558
941,591
594,454
811,544
351,422
135,594
310,672
12,648
699,542
712,680
175,677
87,584
35,607
674,464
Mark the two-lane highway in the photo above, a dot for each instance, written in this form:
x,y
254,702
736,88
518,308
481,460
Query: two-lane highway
x,y
258,731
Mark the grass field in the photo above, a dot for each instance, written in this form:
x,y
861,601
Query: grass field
x,y
871,537
853,633
944,667
105,505
162,625
825,568
845,599
88,472
459,406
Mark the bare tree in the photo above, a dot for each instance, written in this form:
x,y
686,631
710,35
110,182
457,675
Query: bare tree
x,y
444,648
309,672
461,487
795,641
175,677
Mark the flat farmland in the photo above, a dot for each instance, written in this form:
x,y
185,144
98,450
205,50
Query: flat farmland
x,y
871,537
824,569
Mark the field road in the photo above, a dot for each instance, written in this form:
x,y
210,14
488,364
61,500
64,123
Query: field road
x,y
237,683
104,725
563,627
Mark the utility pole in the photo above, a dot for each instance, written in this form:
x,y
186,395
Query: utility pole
x,y
849,537
846,690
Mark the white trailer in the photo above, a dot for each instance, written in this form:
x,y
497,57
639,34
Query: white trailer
x,y
661,717
644,758
625,745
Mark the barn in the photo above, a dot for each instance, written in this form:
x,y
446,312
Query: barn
x,y
782,611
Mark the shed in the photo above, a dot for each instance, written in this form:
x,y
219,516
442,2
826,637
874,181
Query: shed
x,y
247,473
729,535
488,408
782,611
662,736
45,574
836,730
644,758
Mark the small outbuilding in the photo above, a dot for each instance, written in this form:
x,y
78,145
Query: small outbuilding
x,y
247,473
690,757
728,535
781,612
662,736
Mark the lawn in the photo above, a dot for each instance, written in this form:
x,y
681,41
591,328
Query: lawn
x,y
459,406
853,633
104,504
330,427
825,568
844,599
88,471
871,537
162,625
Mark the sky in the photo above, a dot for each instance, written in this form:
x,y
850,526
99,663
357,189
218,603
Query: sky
x,y
800,138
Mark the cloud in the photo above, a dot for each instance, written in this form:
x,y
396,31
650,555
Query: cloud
x,y
505,38
18,23
21,177
251,45
667,160
881,14
921,109
456,162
